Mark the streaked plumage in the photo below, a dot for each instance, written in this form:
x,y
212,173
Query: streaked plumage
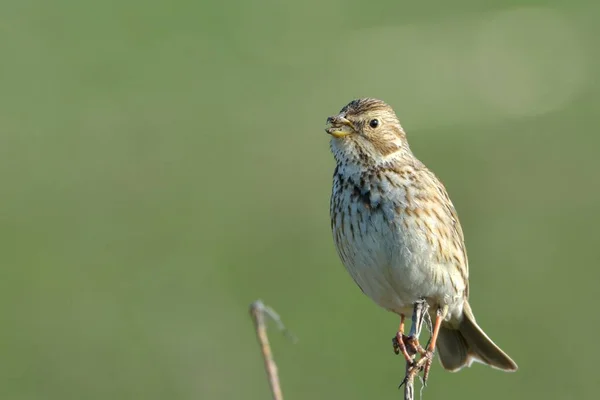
x,y
397,232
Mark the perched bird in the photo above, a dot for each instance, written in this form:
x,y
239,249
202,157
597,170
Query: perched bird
x,y
398,235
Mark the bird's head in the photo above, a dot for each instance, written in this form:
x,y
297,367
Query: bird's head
x,y
366,131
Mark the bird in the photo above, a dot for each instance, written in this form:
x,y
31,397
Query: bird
x,y
398,235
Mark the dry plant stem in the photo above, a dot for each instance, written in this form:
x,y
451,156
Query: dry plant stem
x,y
419,316
258,311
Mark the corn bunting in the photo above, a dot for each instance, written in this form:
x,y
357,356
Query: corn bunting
x,y
398,235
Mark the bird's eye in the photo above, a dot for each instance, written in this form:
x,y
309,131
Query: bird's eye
x,y
374,123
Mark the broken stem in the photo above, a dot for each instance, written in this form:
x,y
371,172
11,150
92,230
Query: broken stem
x,y
258,311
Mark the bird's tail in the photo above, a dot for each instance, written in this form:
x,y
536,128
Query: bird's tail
x,y
458,348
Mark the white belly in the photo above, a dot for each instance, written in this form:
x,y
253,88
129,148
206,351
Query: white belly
x,y
390,259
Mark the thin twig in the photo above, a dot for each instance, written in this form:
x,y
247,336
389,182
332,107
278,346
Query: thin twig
x,y
258,311
419,316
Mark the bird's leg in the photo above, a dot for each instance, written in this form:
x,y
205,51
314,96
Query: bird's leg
x,y
399,342
427,358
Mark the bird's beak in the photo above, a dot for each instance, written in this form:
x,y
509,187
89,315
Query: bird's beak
x,y
339,126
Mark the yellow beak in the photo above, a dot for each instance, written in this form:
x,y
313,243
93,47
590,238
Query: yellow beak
x,y
340,127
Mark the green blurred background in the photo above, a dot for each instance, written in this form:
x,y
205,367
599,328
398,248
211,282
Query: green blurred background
x,y
163,164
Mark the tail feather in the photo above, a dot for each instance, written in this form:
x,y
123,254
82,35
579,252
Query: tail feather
x,y
458,348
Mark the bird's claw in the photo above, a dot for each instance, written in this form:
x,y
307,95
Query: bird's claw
x,y
398,343
428,357
403,382
414,367
408,346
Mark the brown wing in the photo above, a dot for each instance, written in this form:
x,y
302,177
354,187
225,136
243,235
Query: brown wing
x,y
456,230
